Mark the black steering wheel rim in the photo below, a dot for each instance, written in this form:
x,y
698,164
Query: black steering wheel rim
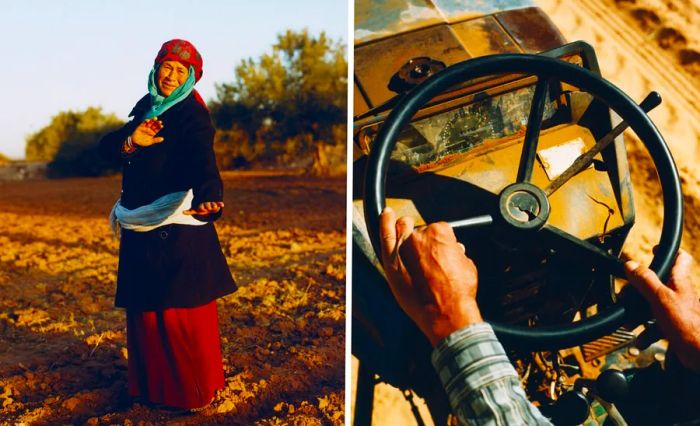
x,y
542,337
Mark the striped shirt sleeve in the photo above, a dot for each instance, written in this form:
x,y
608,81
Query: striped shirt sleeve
x,y
480,381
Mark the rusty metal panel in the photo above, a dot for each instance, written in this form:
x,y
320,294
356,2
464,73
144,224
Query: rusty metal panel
x,y
581,207
359,105
584,207
484,36
375,63
531,29
375,19
457,10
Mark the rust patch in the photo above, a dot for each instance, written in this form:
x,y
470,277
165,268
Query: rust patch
x,y
531,29
359,105
484,36
376,63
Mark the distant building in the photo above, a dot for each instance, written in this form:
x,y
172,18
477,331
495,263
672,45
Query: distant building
x,y
23,170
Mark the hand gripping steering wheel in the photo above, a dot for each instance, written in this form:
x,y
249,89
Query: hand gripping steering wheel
x,y
524,197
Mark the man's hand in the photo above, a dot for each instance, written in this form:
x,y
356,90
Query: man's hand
x,y
145,133
206,208
676,306
431,277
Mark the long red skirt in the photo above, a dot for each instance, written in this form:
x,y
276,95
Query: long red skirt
x,y
175,355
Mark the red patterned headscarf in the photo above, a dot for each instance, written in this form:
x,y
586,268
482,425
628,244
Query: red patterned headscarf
x,y
181,51
184,52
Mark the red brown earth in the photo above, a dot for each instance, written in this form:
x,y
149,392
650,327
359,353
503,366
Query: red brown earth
x,y
62,343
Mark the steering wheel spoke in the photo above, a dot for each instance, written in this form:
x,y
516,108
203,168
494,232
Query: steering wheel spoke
x,y
564,242
532,133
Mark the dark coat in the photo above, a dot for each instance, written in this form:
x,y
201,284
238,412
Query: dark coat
x,y
173,265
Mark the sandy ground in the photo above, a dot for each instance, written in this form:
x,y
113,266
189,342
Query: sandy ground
x,y
642,45
62,343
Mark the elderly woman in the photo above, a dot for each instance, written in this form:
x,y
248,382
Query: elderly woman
x,y
171,268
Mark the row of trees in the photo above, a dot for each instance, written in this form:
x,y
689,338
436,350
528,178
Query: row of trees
x,y
70,143
284,108
281,107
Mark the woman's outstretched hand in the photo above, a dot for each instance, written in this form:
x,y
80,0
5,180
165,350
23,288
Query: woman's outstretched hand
x,y
145,133
675,306
433,280
206,208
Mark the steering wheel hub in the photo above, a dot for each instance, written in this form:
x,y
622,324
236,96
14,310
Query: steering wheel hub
x,y
524,206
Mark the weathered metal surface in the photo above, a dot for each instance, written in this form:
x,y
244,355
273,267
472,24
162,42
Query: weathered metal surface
x,y
606,344
359,105
531,29
579,207
390,33
462,94
619,171
484,36
376,19
454,10
457,130
376,63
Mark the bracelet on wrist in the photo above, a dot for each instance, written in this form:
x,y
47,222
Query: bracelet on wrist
x,y
128,146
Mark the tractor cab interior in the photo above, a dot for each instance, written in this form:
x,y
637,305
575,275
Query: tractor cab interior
x,y
524,155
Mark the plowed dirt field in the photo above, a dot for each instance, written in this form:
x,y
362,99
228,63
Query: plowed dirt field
x,y
62,343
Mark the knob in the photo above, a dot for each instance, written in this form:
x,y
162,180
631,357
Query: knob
x,y
612,385
571,408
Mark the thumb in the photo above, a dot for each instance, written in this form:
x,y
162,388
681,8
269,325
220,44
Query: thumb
x,y
387,232
681,277
158,139
645,281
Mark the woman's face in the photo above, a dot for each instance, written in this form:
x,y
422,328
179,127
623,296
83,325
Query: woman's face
x,y
171,74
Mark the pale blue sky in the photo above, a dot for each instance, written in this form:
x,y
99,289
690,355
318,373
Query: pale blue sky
x,y
72,54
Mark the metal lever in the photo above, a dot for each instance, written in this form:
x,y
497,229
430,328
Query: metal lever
x,y
472,222
651,101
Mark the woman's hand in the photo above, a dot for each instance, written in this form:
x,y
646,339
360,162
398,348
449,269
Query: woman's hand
x,y
432,279
675,306
206,208
145,133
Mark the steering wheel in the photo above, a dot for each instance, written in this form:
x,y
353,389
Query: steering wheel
x,y
523,208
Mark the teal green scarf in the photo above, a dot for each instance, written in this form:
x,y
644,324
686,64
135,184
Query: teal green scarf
x,y
160,104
